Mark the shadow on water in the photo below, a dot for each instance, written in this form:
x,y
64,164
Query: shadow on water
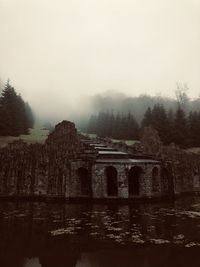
x,y
144,235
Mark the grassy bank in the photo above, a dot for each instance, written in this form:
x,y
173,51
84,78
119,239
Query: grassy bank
x,y
128,142
36,135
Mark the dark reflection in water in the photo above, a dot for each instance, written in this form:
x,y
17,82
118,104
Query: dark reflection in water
x,y
68,235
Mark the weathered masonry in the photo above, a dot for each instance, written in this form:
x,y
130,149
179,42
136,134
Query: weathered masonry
x,y
70,166
116,175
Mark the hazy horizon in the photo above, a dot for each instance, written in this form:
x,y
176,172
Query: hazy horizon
x,y
56,52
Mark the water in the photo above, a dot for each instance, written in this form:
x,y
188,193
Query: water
x,y
83,235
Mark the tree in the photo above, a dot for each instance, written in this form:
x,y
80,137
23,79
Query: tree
x,y
182,97
157,118
147,120
194,128
16,116
181,128
170,133
92,125
159,121
120,126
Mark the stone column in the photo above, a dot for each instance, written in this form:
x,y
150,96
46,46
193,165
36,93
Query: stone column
x,y
98,181
122,181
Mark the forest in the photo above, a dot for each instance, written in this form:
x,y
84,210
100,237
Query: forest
x,y
16,116
117,116
173,127
177,120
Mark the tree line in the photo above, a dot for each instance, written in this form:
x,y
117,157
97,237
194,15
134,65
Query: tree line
x,y
16,116
177,126
136,105
117,126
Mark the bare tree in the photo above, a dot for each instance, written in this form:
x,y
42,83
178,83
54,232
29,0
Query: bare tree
x,y
182,97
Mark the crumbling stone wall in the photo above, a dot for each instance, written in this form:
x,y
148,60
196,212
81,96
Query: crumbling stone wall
x,y
47,169
180,169
17,169
51,169
183,167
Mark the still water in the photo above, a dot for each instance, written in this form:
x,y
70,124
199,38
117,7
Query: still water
x,y
35,234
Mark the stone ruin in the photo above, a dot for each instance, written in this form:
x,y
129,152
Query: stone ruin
x,y
182,165
38,169
151,142
66,166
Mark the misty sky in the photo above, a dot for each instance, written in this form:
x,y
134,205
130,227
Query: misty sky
x,y
56,50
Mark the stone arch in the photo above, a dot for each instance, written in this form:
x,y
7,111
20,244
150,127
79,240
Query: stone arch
x,y
155,180
134,180
85,181
112,185
167,182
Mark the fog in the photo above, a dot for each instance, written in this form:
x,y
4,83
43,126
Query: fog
x,y
58,53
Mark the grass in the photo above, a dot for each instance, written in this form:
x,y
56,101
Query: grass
x,y
36,135
89,135
128,142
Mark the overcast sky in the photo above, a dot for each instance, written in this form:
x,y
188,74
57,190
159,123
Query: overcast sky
x,y
55,50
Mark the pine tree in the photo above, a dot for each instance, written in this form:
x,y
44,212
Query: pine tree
x,y
181,128
170,132
194,128
92,125
157,118
120,126
147,120
15,119
159,121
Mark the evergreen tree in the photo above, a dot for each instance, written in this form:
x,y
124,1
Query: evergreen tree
x,y
92,125
157,118
111,124
194,128
159,121
15,117
147,120
118,126
181,128
170,132
172,126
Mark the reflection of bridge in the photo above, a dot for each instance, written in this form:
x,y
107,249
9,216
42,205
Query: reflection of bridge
x,y
116,174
